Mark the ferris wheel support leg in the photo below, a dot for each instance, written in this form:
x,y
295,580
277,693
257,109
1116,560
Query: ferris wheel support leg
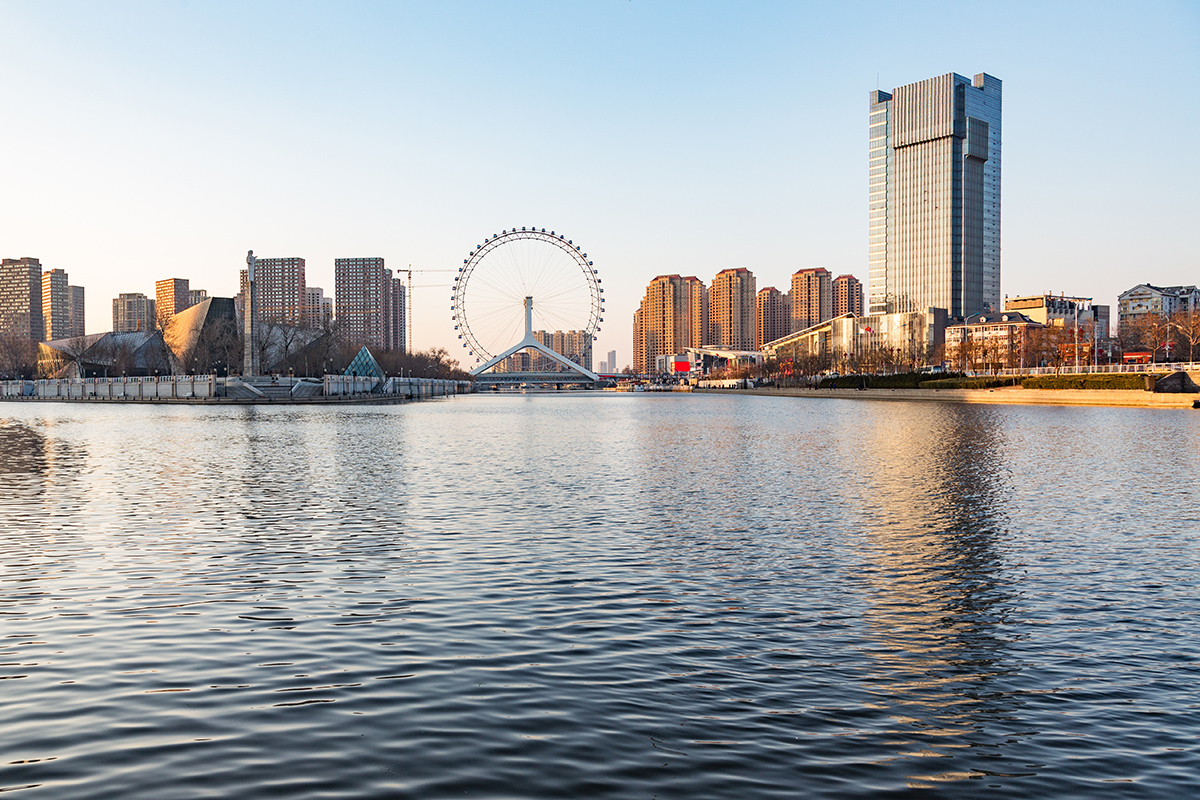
x,y
529,341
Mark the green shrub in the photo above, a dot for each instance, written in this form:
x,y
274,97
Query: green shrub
x,y
1117,381
903,380
970,383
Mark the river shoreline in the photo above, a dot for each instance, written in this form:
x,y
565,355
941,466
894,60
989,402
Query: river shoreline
x,y
226,401
1008,395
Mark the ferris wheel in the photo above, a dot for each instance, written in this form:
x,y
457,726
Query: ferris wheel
x,y
489,300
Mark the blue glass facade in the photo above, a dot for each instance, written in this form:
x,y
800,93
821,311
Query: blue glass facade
x,y
934,196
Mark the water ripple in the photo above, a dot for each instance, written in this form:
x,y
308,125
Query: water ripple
x,y
598,596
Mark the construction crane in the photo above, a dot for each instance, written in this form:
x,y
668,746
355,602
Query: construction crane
x,y
408,300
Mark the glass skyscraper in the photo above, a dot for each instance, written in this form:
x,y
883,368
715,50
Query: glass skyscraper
x,y
934,196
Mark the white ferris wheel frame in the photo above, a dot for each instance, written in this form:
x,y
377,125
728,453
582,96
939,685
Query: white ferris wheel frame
x,y
458,296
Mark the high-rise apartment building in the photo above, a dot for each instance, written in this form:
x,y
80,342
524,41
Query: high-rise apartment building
x,y
196,297
279,289
171,296
575,345
671,317
774,316
812,297
369,303
733,310
395,313
75,303
21,298
133,311
934,196
847,296
56,305
318,308
612,361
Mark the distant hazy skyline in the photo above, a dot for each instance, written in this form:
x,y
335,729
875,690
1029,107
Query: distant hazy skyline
x,y
149,140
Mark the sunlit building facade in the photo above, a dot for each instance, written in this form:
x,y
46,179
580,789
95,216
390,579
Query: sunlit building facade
x,y
733,310
774,316
847,296
56,304
812,297
934,196
171,295
21,298
76,309
672,316
1161,301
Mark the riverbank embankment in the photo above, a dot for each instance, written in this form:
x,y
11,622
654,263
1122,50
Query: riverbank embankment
x,y
213,390
1009,395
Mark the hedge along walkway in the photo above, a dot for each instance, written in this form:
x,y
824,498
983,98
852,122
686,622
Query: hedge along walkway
x,y
1014,395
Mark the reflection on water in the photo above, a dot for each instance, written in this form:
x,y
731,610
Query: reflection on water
x,y
617,596
941,589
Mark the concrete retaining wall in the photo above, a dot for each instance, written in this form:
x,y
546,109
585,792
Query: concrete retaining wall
x,y
166,386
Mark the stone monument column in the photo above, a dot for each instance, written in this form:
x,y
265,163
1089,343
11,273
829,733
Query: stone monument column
x,y
250,365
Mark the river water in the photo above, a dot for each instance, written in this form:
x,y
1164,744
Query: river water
x,y
581,595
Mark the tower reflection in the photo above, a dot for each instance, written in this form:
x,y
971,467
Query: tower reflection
x,y
940,583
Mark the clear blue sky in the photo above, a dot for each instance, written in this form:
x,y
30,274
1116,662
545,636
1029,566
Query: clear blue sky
x,y
143,140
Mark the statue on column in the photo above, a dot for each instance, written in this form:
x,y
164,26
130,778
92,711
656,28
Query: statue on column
x,y
250,365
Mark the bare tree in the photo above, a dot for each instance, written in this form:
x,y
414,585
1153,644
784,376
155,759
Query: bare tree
x,y
1156,334
1187,324
18,357
73,350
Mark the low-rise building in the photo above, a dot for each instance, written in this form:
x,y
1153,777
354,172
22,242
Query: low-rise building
x,y
1061,310
993,341
872,342
695,361
1161,301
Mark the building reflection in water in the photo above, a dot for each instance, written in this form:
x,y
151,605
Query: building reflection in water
x,y
940,587
36,464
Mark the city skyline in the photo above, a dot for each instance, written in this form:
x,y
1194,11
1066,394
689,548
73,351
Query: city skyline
x,y
669,138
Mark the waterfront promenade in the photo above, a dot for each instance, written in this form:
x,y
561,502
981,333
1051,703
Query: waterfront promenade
x,y
209,389
1007,395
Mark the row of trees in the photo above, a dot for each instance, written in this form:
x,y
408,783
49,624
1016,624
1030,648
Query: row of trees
x,y
1172,338
1054,346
